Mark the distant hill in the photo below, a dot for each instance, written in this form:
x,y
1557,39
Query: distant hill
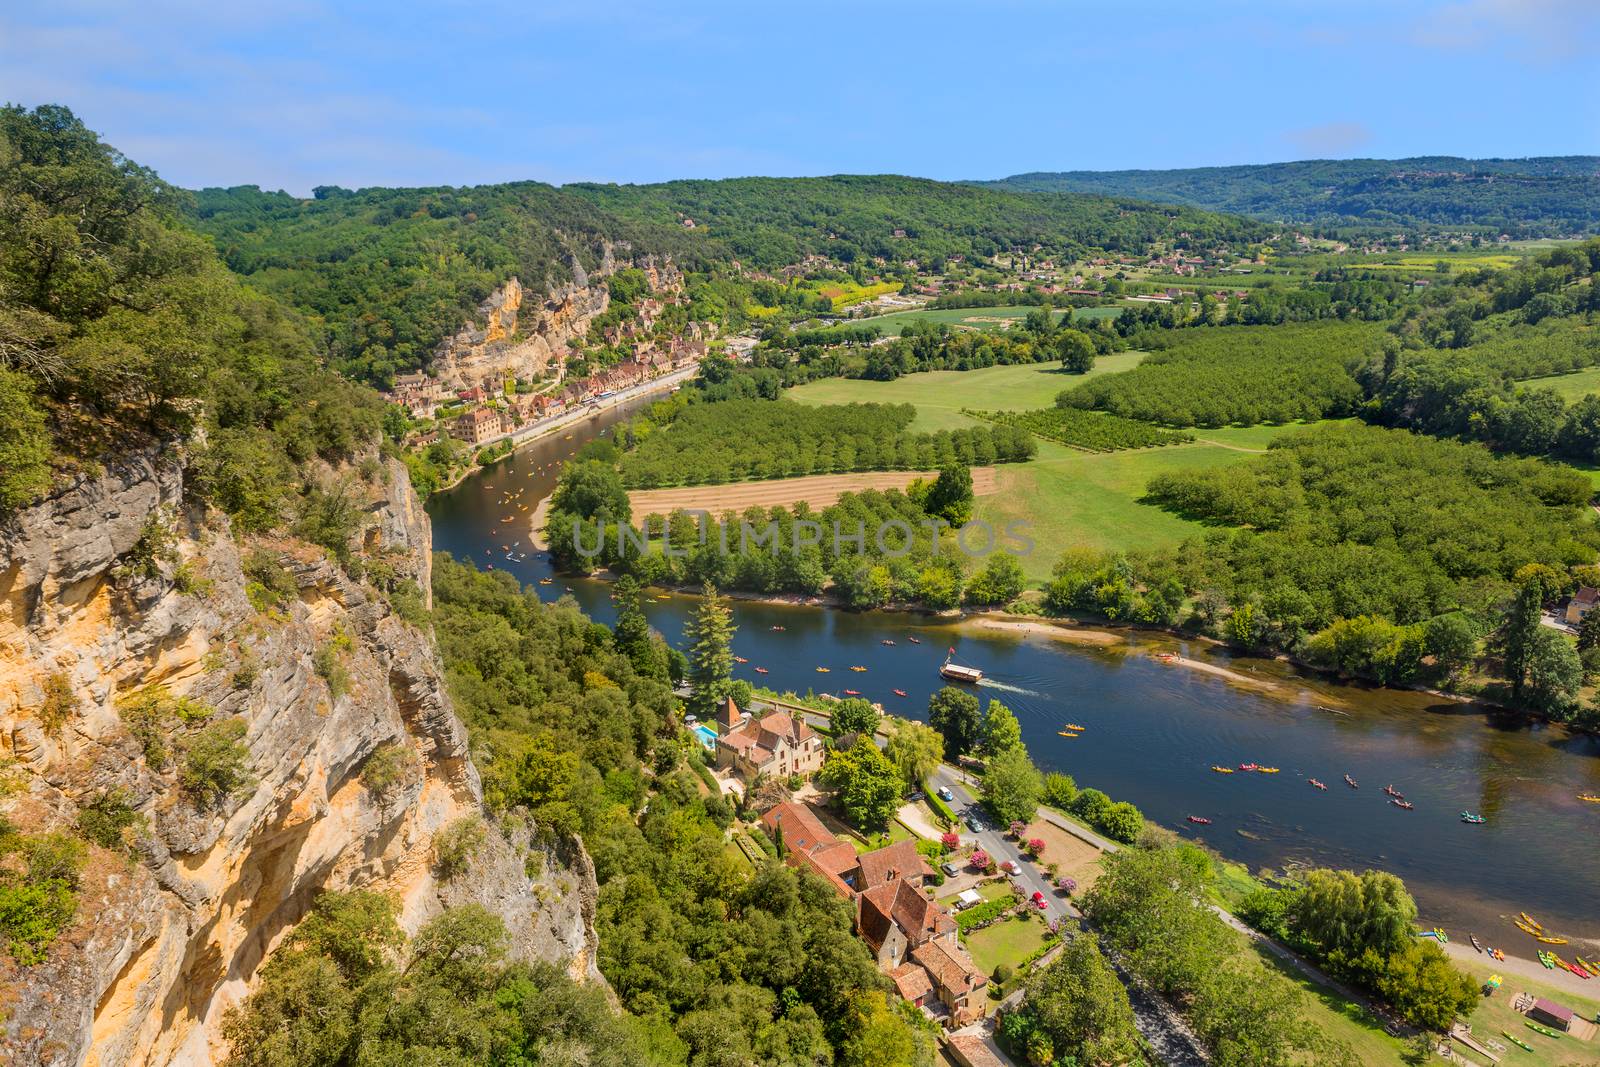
x,y
1547,196
388,272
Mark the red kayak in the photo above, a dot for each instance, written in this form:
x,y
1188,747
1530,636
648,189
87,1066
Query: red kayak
x,y
1316,784
899,692
1249,766
1404,804
1392,791
852,692
761,670
1200,819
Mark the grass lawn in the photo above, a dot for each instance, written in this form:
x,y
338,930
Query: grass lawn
x,y
996,318
988,891
1574,386
1338,1018
1494,1014
1011,941
940,395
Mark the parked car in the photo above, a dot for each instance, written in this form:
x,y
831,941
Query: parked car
x,y
945,794
950,869
916,795
1038,900
975,824
1011,867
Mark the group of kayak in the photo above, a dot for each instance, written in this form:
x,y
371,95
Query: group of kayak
x,y
1071,729
1492,953
1582,968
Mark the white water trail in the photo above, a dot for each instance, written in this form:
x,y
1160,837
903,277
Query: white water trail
x,y
990,683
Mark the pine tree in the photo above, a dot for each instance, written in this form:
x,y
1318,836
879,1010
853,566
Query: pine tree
x,y
1522,623
710,635
632,632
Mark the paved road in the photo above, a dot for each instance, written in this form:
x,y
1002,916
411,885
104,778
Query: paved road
x,y
993,841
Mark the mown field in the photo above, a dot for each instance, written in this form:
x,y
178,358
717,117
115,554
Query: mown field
x,y
994,318
940,395
1574,386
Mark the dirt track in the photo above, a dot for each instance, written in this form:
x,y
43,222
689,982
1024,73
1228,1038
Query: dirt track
x,y
818,490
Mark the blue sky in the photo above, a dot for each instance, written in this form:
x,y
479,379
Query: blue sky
x,y
297,93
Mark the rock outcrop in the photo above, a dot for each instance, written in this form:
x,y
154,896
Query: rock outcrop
x,y
170,933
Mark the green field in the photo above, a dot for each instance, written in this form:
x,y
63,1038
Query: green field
x,y
1574,386
940,395
1010,942
972,318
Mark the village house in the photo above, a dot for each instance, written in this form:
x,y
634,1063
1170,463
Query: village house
x,y
912,936
1582,602
776,744
478,425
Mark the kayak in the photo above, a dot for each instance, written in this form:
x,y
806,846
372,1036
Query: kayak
x,y
899,692
761,670
1073,726
1509,1036
1531,921
1404,805
1476,944
1266,770
852,692
1315,784
887,641
824,670
1525,928
1552,940
1592,798
1248,766
1351,782
1469,817
1545,1030
915,640
1065,733
858,670
1392,791
1544,958
1222,770
740,659
1200,820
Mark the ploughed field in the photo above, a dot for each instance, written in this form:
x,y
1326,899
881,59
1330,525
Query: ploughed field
x,y
818,490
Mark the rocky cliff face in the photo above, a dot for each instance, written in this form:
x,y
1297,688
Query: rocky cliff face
x,y
169,935
518,334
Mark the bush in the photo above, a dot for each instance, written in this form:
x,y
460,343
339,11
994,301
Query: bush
x,y
148,715
60,702
979,859
456,844
987,912
1035,846
38,891
950,840
215,763
270,583
106,819
940,808
759,836
385,769
329,664
1060,790
1122,822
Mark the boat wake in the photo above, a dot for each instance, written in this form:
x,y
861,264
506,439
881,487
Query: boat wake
x,y
990,683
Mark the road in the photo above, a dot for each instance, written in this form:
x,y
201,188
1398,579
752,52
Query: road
x,y
993,841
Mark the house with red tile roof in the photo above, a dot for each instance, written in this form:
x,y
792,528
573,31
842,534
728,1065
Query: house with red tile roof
x,y
777,744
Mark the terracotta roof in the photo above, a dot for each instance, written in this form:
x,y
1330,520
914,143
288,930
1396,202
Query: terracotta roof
x,y
808,843
899,903
768,734
973,1051
1586,595
950,966
899,860
912,980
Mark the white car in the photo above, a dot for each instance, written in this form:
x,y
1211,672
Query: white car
x,y
945,794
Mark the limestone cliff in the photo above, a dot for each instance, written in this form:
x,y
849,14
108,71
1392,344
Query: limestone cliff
x,y
519,334
170,934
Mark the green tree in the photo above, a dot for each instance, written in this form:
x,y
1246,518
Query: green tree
x,y
1554,673
1451,640
1122,821
1083,1006
1422,984
853,715
865,783
1001,731
1348,915
632,631
1589,631
955,714
950,496
1012,786
24,439
1076,350
999,582
915,749
710,637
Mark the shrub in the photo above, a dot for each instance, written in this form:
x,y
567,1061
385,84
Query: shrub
x,y
456,844
1122,822
982,914
38,892
106,819
979,859
1068,886
270,583
148,715
385,769
215,763
329,664
1035,846
60,702
941,809
1060,790
950,840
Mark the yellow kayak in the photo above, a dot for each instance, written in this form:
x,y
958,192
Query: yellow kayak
x,y
824,670
1073,726
1223,770
1553,940
1066,733
1267,770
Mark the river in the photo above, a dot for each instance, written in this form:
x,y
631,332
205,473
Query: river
x,y
1154,730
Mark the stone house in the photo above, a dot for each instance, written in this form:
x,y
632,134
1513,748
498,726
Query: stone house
x,y
778,744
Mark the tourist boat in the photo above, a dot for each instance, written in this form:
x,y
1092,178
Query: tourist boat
x,y
852,692
858,669
898,692
761,670
955,672
914,640
1266,770
1248,766
887,641
1551,940
740,659
824,670
1221,770
1475,820
1392,791
1404,804
1315,784
1475,943
1351,782
1200,820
